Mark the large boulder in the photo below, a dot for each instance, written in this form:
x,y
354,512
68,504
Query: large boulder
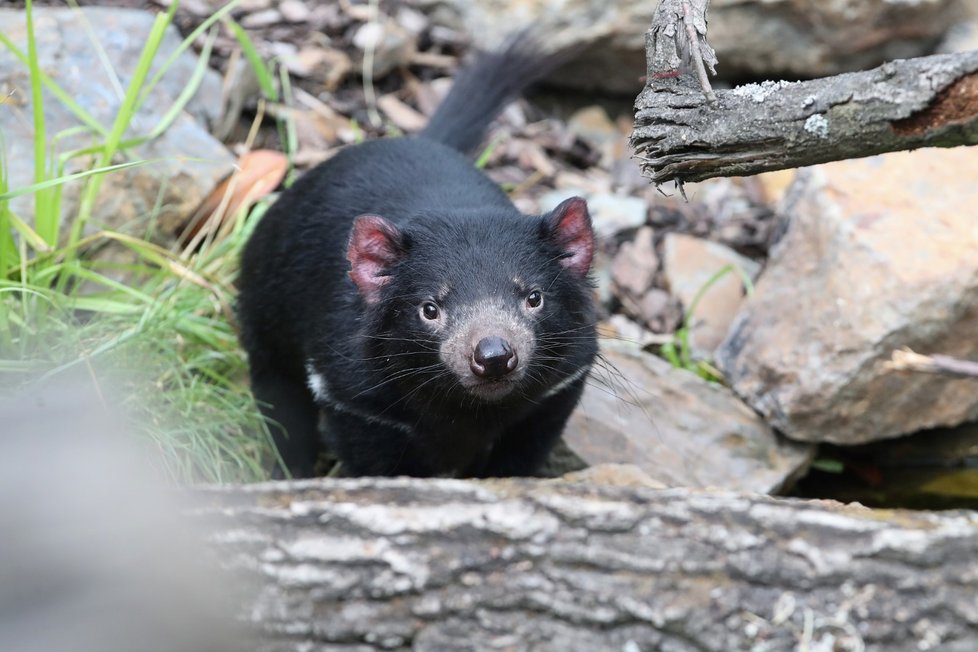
x,y
679,429
881,253
757,38
186,160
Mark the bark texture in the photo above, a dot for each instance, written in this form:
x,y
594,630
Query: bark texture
x,y
906,104
517,565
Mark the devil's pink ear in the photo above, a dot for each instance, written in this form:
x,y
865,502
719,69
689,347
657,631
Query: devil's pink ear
x,y
570,229
375,245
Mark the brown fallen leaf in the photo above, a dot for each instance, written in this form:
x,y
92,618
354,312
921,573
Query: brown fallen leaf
x,y
258,173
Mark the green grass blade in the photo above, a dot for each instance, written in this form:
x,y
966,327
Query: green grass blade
x,y
30,236
45,220
106,306
186,43
100,52
189,90
9,257
50,183
486,153
122,120
265,78
291,138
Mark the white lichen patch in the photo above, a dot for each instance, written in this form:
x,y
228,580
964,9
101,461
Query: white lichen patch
x,y
760,92
817,125
410,571
822,561
771,515
596,512
308,575
510,518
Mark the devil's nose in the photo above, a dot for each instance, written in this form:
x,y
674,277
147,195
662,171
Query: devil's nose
x,y
493,357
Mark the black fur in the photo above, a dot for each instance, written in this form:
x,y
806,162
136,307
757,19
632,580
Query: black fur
x,y
450,237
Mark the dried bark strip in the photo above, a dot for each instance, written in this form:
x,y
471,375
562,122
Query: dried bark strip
x,y
453,565
906,104
907,360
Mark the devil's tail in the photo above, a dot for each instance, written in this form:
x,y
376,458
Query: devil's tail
x,y
483,88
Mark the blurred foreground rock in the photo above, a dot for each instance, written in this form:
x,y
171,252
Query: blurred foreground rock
x,y
754,38
97,554
676,427
187,161
881,253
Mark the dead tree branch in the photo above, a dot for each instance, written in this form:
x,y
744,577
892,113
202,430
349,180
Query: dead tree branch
x,y
906,104
519,565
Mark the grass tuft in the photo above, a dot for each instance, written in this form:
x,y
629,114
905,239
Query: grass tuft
x,y
154,323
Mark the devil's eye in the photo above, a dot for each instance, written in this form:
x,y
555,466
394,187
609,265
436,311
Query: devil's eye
x,y
429,311
534,299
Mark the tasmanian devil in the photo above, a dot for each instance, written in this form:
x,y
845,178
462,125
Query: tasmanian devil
x,y
397,290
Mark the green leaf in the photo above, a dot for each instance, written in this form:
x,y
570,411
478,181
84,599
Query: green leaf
x,y
827,465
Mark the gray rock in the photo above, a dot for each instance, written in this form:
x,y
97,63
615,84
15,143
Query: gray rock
x,y
192,161
679,429
798,38
814,38
881,253
688,265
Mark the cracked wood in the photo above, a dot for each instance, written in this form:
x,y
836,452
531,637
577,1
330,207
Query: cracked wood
x,y
521,564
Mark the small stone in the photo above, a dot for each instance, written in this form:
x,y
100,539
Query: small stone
x,y
391,45
613,213
263,18
775,184
593,125
411,19
326,64
635,264
689,265
660,311
252,6
620,327
403,116
294,11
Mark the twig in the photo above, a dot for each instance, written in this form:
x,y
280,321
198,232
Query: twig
x,y
677,35
907,360
904,104
369,51
696,52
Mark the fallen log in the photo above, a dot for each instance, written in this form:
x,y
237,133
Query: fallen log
x,y
522,564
